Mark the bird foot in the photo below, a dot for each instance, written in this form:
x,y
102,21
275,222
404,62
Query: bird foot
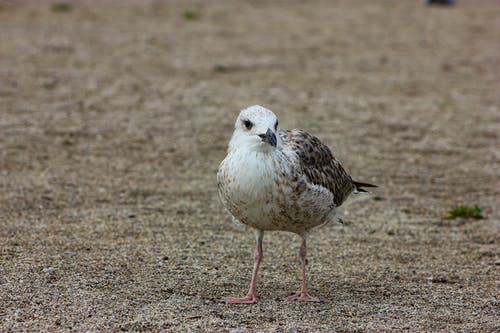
x,y
248,299
302,296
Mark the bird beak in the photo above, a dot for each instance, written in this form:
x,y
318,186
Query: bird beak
x,y
269,137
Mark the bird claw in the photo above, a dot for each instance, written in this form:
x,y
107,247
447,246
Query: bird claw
x,y
303,296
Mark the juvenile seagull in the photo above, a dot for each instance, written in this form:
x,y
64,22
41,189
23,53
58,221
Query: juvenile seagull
x,y
280,180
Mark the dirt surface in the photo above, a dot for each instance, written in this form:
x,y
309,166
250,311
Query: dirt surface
x,y
114,116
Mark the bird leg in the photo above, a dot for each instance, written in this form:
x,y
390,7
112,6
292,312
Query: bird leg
x,y
251,296
302,294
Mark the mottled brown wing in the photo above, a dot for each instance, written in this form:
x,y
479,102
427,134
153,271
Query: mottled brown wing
x,y
318,163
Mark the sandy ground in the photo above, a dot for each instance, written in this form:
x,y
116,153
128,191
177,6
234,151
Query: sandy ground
x,y
114,116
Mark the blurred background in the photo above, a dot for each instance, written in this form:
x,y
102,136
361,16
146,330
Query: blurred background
x,y
114,117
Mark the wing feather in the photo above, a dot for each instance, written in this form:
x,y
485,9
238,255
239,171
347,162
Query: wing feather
x,y
318,163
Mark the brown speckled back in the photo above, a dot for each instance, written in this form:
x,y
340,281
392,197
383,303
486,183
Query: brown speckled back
x,y
318,163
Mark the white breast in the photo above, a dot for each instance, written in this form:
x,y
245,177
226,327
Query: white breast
x,y
248,186
264,191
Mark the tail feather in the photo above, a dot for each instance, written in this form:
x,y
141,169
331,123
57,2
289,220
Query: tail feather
x,y
358,187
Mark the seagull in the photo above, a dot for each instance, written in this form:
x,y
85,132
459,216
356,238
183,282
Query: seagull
x,y
280,180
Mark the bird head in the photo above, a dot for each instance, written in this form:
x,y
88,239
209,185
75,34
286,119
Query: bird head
x,y
255,129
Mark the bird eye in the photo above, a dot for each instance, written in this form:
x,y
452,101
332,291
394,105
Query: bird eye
x,y
248,124
276,126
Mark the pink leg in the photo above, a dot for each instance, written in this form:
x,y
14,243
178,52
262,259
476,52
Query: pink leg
x,y
302,294
251,296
